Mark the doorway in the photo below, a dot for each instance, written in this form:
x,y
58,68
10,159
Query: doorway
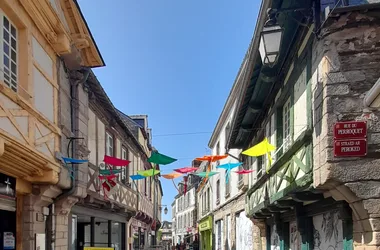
x,y
7,230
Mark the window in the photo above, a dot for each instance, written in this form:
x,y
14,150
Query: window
x,y
208,199
217,152
188,199
286,132
217,192
228,186
227,131
8,62
109,144
124,176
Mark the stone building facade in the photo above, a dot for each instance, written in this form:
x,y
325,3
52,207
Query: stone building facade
x,y
231,228
306,196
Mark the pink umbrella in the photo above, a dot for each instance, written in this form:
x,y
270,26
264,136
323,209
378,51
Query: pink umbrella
x,y
186,170
244,171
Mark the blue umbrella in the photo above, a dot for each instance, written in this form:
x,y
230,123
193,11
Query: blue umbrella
x,y
228,167
137,177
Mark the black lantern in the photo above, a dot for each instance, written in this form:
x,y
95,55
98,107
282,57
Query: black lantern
x,y
165,210
270,40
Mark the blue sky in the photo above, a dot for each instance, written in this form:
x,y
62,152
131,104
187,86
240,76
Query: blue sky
x,y
174,60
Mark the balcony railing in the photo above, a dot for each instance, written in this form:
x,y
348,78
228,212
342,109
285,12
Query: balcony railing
x,y
121,194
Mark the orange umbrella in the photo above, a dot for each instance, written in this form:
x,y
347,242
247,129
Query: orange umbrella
x,y
211,158
171,175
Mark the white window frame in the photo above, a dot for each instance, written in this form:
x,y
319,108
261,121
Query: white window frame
x,y
12,76
123,174
286,125
109,147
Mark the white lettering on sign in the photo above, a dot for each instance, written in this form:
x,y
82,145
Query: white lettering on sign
x,y
350,149
352,131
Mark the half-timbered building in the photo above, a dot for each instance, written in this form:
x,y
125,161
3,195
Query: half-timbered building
x,y
37,39
310,64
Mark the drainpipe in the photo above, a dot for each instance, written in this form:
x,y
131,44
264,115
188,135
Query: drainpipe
x,y
372,98
74,110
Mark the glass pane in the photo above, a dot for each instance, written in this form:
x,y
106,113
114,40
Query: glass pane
x,y
6,61
6,71
13,43
13,31
116,235
6,23
6,35
6,48
14,68
14,56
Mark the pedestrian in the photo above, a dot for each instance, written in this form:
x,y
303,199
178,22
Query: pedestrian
x,y
178,246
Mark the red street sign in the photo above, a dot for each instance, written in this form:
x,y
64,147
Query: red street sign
x,y
354,129
350,148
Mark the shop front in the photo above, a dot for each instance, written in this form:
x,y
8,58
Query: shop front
x,y
96,228
7,212
205,230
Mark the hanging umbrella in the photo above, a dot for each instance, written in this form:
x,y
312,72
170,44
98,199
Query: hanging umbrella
x,y
109,172
171,175
259,149
186,170
205,174
263,148
115,161
209,159
160,158
149,172
244,171
228,167
137,177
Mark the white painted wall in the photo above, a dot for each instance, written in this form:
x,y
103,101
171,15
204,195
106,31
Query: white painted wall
x,y
300,105
233,178
182,211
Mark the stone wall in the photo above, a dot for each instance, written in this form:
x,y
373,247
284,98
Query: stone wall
x,y
346,64
231,208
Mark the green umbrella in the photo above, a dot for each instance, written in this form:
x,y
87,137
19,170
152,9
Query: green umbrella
x,y
204,174
160,159
108,172
149,172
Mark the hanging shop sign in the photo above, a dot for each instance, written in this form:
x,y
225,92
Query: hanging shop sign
x,y
351,129
350,148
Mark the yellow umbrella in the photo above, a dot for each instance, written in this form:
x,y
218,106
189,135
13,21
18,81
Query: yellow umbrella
x,y
263,148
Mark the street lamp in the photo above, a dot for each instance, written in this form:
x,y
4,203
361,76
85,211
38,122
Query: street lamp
x,y
165,210
270,40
